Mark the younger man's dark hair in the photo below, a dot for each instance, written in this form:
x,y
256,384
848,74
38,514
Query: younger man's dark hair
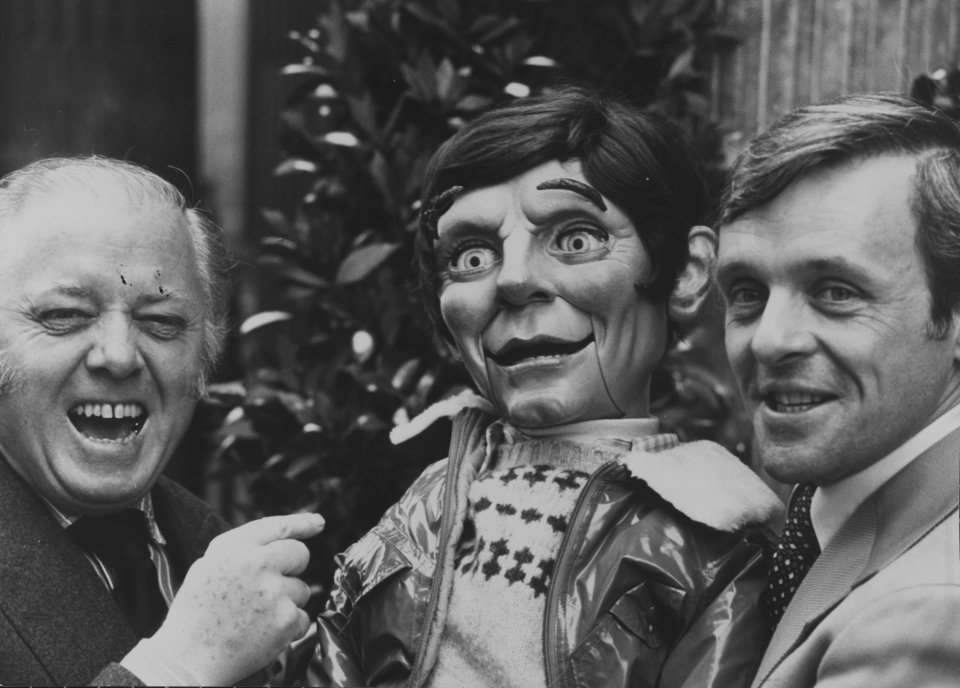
x,y
856,127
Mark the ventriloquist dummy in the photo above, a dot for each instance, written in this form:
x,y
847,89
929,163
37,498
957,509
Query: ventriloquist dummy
x,y
565,541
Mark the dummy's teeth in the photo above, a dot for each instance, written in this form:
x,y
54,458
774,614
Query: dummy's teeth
x,y
516,352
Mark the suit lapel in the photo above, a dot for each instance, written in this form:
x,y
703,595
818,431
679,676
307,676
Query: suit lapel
x,y
187,524
888,523
51,594
829,580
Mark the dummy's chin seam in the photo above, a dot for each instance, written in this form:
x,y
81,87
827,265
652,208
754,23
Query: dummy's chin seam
x,y
603,379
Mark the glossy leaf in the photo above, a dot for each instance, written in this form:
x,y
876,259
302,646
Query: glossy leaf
x,y
363,261
262,319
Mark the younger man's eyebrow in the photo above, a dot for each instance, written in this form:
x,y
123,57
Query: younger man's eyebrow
x,y
577,187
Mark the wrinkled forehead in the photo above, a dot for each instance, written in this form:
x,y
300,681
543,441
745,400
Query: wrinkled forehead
x,y
86,185
74,201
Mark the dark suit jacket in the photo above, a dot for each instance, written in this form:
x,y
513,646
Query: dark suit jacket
x,y
58,623
881,605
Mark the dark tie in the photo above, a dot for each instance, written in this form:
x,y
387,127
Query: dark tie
x,y
795,553
120,542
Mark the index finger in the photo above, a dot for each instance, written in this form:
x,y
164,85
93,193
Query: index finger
x,y
271,528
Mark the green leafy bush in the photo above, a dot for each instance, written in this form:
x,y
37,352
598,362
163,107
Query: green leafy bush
x,y
343,350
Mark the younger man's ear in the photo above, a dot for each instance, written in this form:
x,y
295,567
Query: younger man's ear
x,y
955,333
694,282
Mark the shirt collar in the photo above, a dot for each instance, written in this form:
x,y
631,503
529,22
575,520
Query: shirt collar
x,y
834,504
145,505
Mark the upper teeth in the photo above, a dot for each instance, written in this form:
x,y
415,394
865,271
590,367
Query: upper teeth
x,y
109,410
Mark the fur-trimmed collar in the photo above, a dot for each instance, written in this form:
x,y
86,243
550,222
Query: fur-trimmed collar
x,y
708,484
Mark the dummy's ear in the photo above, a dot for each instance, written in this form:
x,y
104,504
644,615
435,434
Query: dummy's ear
x,y
694,282
454,351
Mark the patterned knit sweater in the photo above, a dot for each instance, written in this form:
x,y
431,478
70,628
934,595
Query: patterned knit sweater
x,y
519,509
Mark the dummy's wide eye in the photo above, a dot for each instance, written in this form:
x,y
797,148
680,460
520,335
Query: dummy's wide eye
x,y
470,258
581,240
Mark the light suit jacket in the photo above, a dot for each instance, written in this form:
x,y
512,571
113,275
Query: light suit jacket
x,y
58,623
881,605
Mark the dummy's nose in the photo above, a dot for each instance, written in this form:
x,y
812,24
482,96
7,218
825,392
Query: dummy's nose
x,y
522,277
114,348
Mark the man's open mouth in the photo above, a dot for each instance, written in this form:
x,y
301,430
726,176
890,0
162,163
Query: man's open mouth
x,y
108,422
517,351
794,402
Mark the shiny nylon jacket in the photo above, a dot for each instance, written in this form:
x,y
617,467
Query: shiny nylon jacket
x,y
641,595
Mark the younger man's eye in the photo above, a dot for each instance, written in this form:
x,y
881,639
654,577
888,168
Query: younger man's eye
x,y
744,296
581,240
836,293
472,257
744,299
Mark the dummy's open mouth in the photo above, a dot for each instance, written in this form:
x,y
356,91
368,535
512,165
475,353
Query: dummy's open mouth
x,y
107,422
516,350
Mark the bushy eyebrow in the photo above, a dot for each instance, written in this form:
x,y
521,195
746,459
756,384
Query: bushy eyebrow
x,y
577,187
73,291
81,292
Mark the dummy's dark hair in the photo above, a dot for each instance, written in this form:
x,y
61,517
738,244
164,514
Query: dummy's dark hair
x,y
824,136
638,160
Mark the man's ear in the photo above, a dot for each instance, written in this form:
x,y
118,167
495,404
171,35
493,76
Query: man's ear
x,y
694,282
955,333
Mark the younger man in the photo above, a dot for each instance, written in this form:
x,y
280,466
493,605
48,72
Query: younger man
x,y
840,265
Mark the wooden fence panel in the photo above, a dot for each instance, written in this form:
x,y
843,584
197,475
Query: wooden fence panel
x,y
794,52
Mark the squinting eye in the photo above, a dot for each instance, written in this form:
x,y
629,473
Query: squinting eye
x,y
473,258
163,327
64,320
581,240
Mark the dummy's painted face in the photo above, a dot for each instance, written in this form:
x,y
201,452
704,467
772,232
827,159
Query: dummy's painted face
x,y
539,289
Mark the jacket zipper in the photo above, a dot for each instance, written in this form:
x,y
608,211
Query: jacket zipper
x,y
446,527
561,575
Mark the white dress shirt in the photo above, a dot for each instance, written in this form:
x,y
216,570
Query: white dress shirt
x,y
834,504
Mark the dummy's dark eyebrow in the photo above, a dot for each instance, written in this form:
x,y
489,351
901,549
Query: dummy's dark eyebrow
x,y
577,187
438,206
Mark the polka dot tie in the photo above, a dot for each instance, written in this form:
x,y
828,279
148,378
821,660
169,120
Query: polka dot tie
x,y
795,553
